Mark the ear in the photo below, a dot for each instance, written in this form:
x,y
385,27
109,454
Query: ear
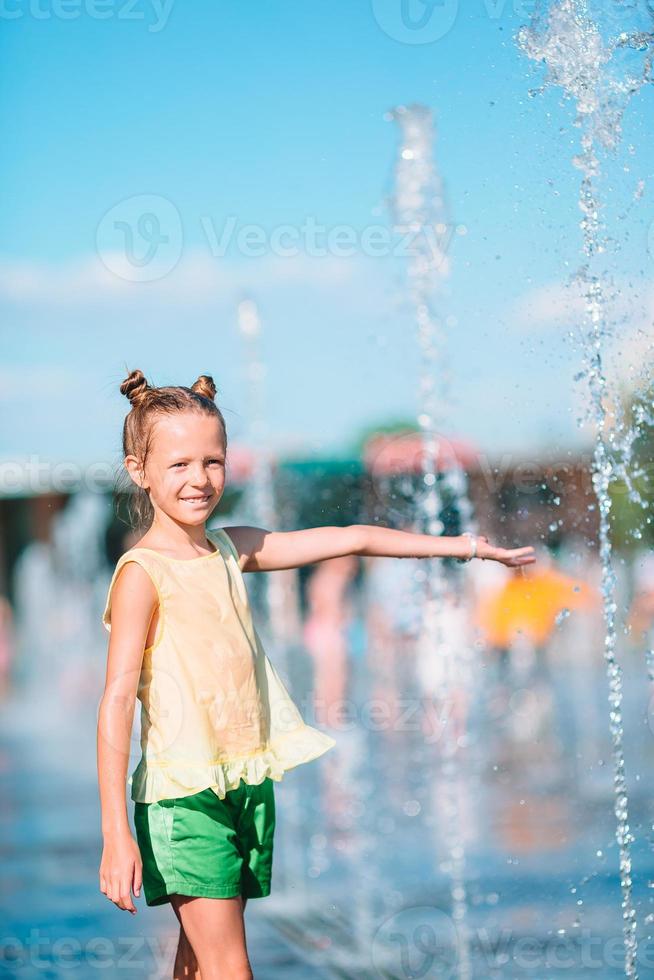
x,y
133,467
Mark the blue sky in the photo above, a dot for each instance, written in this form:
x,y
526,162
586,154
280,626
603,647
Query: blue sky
x,y
270,114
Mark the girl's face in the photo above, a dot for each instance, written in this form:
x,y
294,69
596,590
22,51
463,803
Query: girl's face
x,y
185,467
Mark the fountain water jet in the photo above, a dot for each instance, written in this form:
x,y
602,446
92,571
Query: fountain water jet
x,y
569,41
419,210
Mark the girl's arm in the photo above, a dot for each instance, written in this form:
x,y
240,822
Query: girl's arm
x,y
133,602
265,551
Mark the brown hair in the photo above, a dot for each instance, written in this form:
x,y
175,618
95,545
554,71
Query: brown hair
x,y
147,403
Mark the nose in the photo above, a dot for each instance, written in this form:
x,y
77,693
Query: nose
x,y
198,478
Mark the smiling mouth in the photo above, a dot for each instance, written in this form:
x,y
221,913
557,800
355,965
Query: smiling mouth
x,y
196,500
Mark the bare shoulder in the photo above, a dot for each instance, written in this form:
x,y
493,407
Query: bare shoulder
x,y
131,601
134,581
247,541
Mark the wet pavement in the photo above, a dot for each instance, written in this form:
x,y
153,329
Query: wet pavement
x,y
55,922
361,884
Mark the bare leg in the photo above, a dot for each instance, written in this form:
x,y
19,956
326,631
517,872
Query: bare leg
x,y
186,964
215,932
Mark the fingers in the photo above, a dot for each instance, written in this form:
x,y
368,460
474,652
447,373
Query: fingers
x,y
124,900
521,560
117,888
519,556
507,556
138,878
515,557
113,886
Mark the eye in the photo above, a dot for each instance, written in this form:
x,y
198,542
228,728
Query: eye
x,y
221,462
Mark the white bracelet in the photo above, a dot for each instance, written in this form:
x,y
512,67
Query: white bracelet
x,y
473,543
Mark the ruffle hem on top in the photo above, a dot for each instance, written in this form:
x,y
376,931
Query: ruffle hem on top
x,y
152,781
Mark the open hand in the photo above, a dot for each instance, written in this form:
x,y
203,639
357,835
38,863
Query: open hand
x,y
513,557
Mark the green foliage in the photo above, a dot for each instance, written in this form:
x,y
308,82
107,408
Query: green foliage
x,y
631,523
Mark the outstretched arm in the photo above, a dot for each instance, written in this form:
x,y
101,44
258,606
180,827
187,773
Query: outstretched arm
x,y
266,551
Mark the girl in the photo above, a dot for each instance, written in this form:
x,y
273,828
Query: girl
x,y
218,727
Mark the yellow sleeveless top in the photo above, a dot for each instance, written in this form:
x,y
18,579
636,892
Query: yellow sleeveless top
x,y
213,708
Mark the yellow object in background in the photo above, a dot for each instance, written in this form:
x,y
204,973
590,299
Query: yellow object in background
x,y
528,604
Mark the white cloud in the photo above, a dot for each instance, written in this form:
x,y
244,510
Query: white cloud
x,y
563,304
551,305
198,279
628,354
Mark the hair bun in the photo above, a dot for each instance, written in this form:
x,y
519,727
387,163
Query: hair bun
x,y
134,387
205,386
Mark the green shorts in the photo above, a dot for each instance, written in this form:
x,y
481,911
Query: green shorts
x,y
202,845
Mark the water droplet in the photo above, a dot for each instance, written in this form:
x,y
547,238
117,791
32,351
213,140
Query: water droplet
x,y
412,808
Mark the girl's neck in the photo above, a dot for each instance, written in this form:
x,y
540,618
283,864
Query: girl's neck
x,y
182,540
